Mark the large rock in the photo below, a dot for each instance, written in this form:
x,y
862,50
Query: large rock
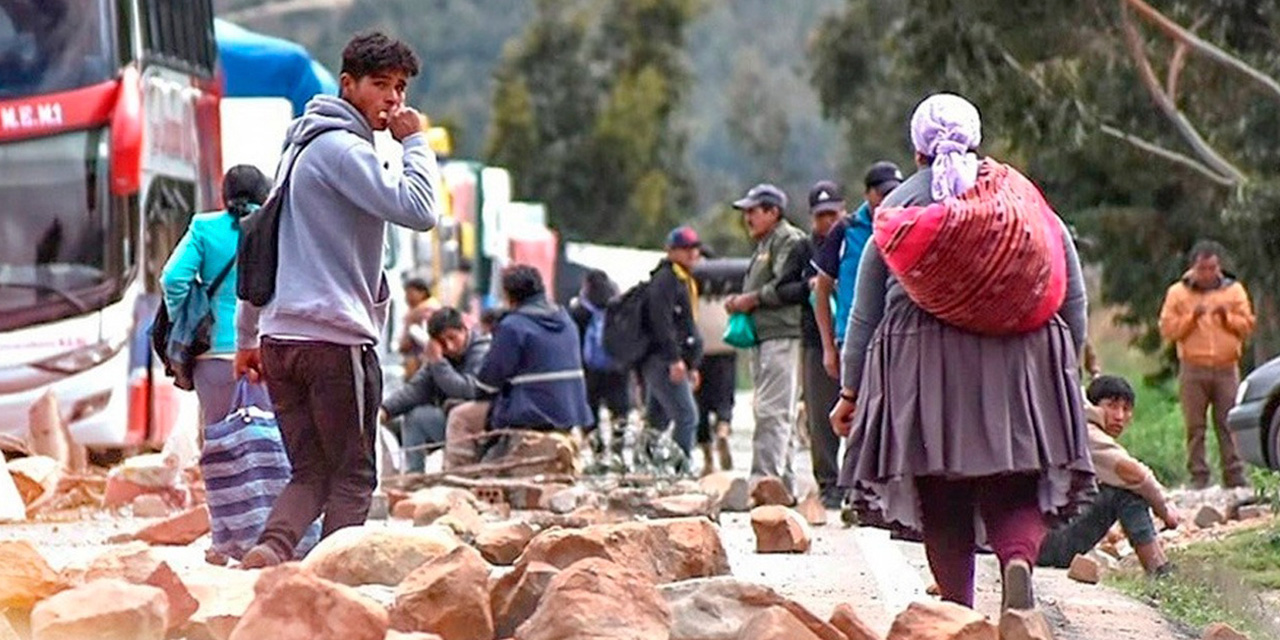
x,y
377,555
102,610
718,608
780,530
180,530
663,550
733,492
775,623
558,452
1085,569
1021,624
448,596
941,621
135,563
769,490
224,596
847,621
25,577
294,604
595,599
515,596
1209,516
502,542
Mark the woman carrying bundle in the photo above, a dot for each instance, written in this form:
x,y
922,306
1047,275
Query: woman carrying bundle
x,y
960,389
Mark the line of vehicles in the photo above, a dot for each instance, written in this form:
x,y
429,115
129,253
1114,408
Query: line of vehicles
x,y
117,119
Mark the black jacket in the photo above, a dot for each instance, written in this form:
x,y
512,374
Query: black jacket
x,y
799,270
672,333
439,381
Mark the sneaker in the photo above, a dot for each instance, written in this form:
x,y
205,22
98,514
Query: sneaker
x,y
260,556
1017,586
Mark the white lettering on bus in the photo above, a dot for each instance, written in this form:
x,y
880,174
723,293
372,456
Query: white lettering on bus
x,y
27,116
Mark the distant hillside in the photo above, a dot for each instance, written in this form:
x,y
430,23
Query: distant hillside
x,y
748,53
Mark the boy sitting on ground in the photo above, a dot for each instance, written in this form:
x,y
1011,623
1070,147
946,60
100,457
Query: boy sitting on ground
x,y
1128,491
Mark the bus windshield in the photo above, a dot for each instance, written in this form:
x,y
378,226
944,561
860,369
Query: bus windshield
x,y
65,243
48,46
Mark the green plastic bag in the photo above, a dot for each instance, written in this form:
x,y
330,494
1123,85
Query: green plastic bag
x,y
740,331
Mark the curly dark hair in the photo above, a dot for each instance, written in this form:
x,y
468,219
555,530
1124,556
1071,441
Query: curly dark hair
x,y
522,282
371,52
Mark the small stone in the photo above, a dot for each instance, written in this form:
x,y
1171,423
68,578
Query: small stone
x,y
780,530
150,505
732,491
1208,516
813,511
770,490
1222,631
180,530
941,620
502,542
1085,569
1019,624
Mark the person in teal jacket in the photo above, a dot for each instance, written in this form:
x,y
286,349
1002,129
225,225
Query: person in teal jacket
x,y
208,246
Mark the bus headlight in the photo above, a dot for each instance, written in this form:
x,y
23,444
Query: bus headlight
x,y
78,360
1242,391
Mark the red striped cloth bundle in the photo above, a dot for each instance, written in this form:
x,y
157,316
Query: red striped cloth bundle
x,y
990,261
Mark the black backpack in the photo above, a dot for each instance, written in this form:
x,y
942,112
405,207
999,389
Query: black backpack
x,y
259,250
179,356
626,336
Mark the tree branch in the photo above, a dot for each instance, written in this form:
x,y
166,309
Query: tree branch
x,y
1209,50
1147,75
1167,154
1179,61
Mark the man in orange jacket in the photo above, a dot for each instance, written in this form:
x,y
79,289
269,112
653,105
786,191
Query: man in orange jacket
x,y
1208,316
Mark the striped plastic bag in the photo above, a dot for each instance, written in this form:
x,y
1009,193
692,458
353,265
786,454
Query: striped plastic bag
x,y
245,468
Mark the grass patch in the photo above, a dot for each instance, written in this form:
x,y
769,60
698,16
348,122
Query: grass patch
x,y
1216,581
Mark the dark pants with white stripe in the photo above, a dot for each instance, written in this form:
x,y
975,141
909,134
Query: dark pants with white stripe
x,y
326,400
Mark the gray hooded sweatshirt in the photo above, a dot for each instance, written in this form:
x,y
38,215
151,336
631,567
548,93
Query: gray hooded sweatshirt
x,y
330,286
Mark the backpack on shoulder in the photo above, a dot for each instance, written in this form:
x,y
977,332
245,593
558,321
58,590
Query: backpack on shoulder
x,y
594,355
259,250
625,337
180,335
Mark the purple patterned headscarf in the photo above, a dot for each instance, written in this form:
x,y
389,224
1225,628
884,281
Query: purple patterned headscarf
x,y
945,127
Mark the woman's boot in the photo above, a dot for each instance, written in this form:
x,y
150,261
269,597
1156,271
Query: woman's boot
x,y
722,446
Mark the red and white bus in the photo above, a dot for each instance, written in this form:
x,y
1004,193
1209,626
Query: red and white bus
x,y
109,140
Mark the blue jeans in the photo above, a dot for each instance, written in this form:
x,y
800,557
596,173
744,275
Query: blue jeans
x,y
423,425
672,401
1087,529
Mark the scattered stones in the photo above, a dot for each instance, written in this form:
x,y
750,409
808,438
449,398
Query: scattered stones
x,y
136,564
1208,516
104,610
941,621
294,604
25,577
376,554
1017,624
847,621
179,530
1085,569
733,492
596,598
812,511
502,542
773,623
515,596
770,490
664,550
780,530
1221,631
718,608
448,596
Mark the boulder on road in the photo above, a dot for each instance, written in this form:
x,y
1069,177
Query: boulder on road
x,y
224,596
770,490
732,492
179,530
846,619
719,608
1021,624
1085,569
502,542
780,530
596,598
294,604
104,610
662,550
135,563
1208,516
25,577
941,621
448,596
774,623
515,596
377,554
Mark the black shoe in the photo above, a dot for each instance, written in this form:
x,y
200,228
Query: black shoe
x,y
1017,586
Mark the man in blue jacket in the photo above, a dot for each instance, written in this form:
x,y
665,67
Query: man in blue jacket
x,y
533,372
451,359
314,342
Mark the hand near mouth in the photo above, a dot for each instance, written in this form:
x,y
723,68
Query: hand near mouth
x,y
403,122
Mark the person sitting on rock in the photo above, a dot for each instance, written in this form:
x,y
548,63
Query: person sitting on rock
x,y
450,361
533,372
1128,491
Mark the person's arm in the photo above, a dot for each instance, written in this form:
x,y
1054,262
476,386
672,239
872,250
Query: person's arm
x,y
660,300
868,310
1176,321
1239,315
460,384
1075,306
503,358
415,392
793,287
784,270
182,269
408,200
247,324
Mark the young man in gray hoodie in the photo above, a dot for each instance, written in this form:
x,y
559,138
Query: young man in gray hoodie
x,y
314,341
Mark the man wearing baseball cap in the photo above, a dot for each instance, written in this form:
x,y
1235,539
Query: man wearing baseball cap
x,y
777,324
675,347
837,263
